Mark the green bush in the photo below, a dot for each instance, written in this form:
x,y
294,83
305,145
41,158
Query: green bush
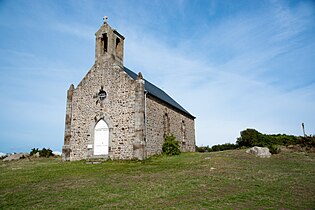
x,y
203,149
218,147
171,145
42,153
274,149
222,147
33,151
307,141
249,138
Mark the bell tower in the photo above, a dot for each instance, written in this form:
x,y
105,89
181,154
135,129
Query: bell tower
x,y
109,44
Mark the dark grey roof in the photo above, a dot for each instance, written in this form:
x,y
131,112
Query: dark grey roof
x,y
158,93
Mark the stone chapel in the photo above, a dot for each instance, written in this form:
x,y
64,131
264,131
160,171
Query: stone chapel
x,y
115,113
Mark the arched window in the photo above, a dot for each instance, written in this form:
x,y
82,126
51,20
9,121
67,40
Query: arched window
x,y
183,131
101,138
166,124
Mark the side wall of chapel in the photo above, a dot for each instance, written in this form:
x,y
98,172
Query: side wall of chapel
x,y
163,120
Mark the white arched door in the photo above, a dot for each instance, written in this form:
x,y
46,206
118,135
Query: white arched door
x,y
101,138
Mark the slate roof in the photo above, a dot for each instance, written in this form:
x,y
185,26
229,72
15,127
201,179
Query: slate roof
x,y
158,93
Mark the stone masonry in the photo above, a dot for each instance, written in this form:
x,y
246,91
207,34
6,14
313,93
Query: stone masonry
x,y
164,120
137,120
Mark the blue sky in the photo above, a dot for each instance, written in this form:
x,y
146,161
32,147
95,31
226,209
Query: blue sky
x,y
232,64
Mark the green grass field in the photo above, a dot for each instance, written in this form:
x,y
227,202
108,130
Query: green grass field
x,y
218,180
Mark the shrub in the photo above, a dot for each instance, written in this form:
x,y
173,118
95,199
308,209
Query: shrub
x,y
222,147
203,149
45,153
274,149
171,145
42,153
33,151
249,138
218,147
308,141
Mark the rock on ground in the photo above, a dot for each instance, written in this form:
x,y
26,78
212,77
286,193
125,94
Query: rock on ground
x,y
16,156
262,152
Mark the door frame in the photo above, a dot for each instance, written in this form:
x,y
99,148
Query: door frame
x,y
106,147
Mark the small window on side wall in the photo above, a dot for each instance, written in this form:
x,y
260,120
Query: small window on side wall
x,y
183,131
166,125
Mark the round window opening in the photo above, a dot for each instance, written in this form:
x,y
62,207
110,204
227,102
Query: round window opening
x,y
102,94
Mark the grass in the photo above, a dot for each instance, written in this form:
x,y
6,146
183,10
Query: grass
x,y
218,180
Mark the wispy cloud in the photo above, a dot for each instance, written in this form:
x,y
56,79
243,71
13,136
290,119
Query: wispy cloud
x,y
240,91
75,29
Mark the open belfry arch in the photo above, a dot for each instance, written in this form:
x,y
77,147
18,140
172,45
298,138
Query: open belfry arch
x,y
116,113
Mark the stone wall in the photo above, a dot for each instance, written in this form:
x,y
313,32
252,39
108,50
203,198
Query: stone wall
x,y
67,135
114,44
118,111
161,120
